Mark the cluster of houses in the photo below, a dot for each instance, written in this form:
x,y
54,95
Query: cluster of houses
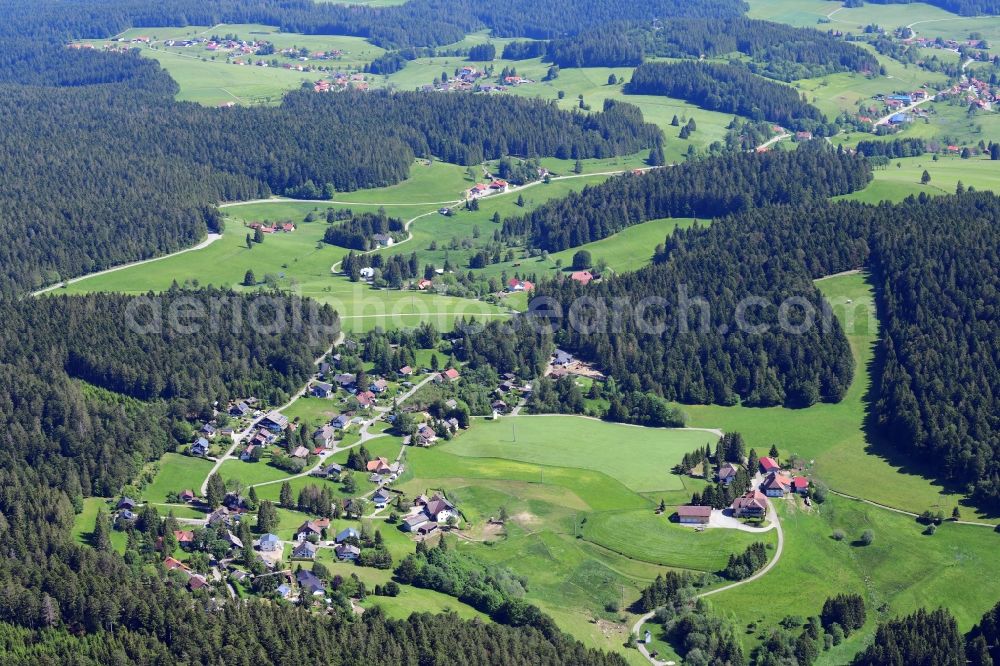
x,y
945,44
471,79
428,514
496,186
975,92
366,396
339,81
509,386
305,55
776,483
265,228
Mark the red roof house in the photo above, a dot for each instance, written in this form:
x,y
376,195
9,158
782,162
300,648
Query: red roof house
x,y
776,485
583,277
800,484
451,374
768,465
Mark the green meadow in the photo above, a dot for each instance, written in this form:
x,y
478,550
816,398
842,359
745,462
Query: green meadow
x,y
590,82
639,458
296,262
836,93
902,570
901,178
629,249
647,537
807,14
176,473
833,439
207,78
948,122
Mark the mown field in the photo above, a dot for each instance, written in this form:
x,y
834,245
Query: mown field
x,y
644,536
639,458
901,178
177,472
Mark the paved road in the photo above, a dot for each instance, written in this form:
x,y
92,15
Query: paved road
x,y
365,436
637,627
238,436
211,238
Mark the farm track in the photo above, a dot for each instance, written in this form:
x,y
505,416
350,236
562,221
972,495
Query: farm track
x,y
908,513
211,238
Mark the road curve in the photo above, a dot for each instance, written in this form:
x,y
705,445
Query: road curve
x,y
637,627
211,238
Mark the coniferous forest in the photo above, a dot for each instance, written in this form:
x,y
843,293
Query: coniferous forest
x,y
101,166
703,188
729,88
776,51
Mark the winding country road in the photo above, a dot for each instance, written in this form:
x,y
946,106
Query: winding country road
x,y
637,627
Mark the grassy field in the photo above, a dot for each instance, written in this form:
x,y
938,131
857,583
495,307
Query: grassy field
x,y
835,93
209,78
569,486
630,249
948,123
807,14
177,473
639,458
83,524
312,412
902,178
667,543
299,263
590,82
901,571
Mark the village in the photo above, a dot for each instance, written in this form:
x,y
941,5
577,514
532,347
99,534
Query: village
x,y
235,546
469,78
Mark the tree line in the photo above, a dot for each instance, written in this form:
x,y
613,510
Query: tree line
x,y
414,23
728,88
702,188
776,50
937,390
358,232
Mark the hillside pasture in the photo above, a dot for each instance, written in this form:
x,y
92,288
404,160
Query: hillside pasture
x,y
207,78
639,458
642,535
901,178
